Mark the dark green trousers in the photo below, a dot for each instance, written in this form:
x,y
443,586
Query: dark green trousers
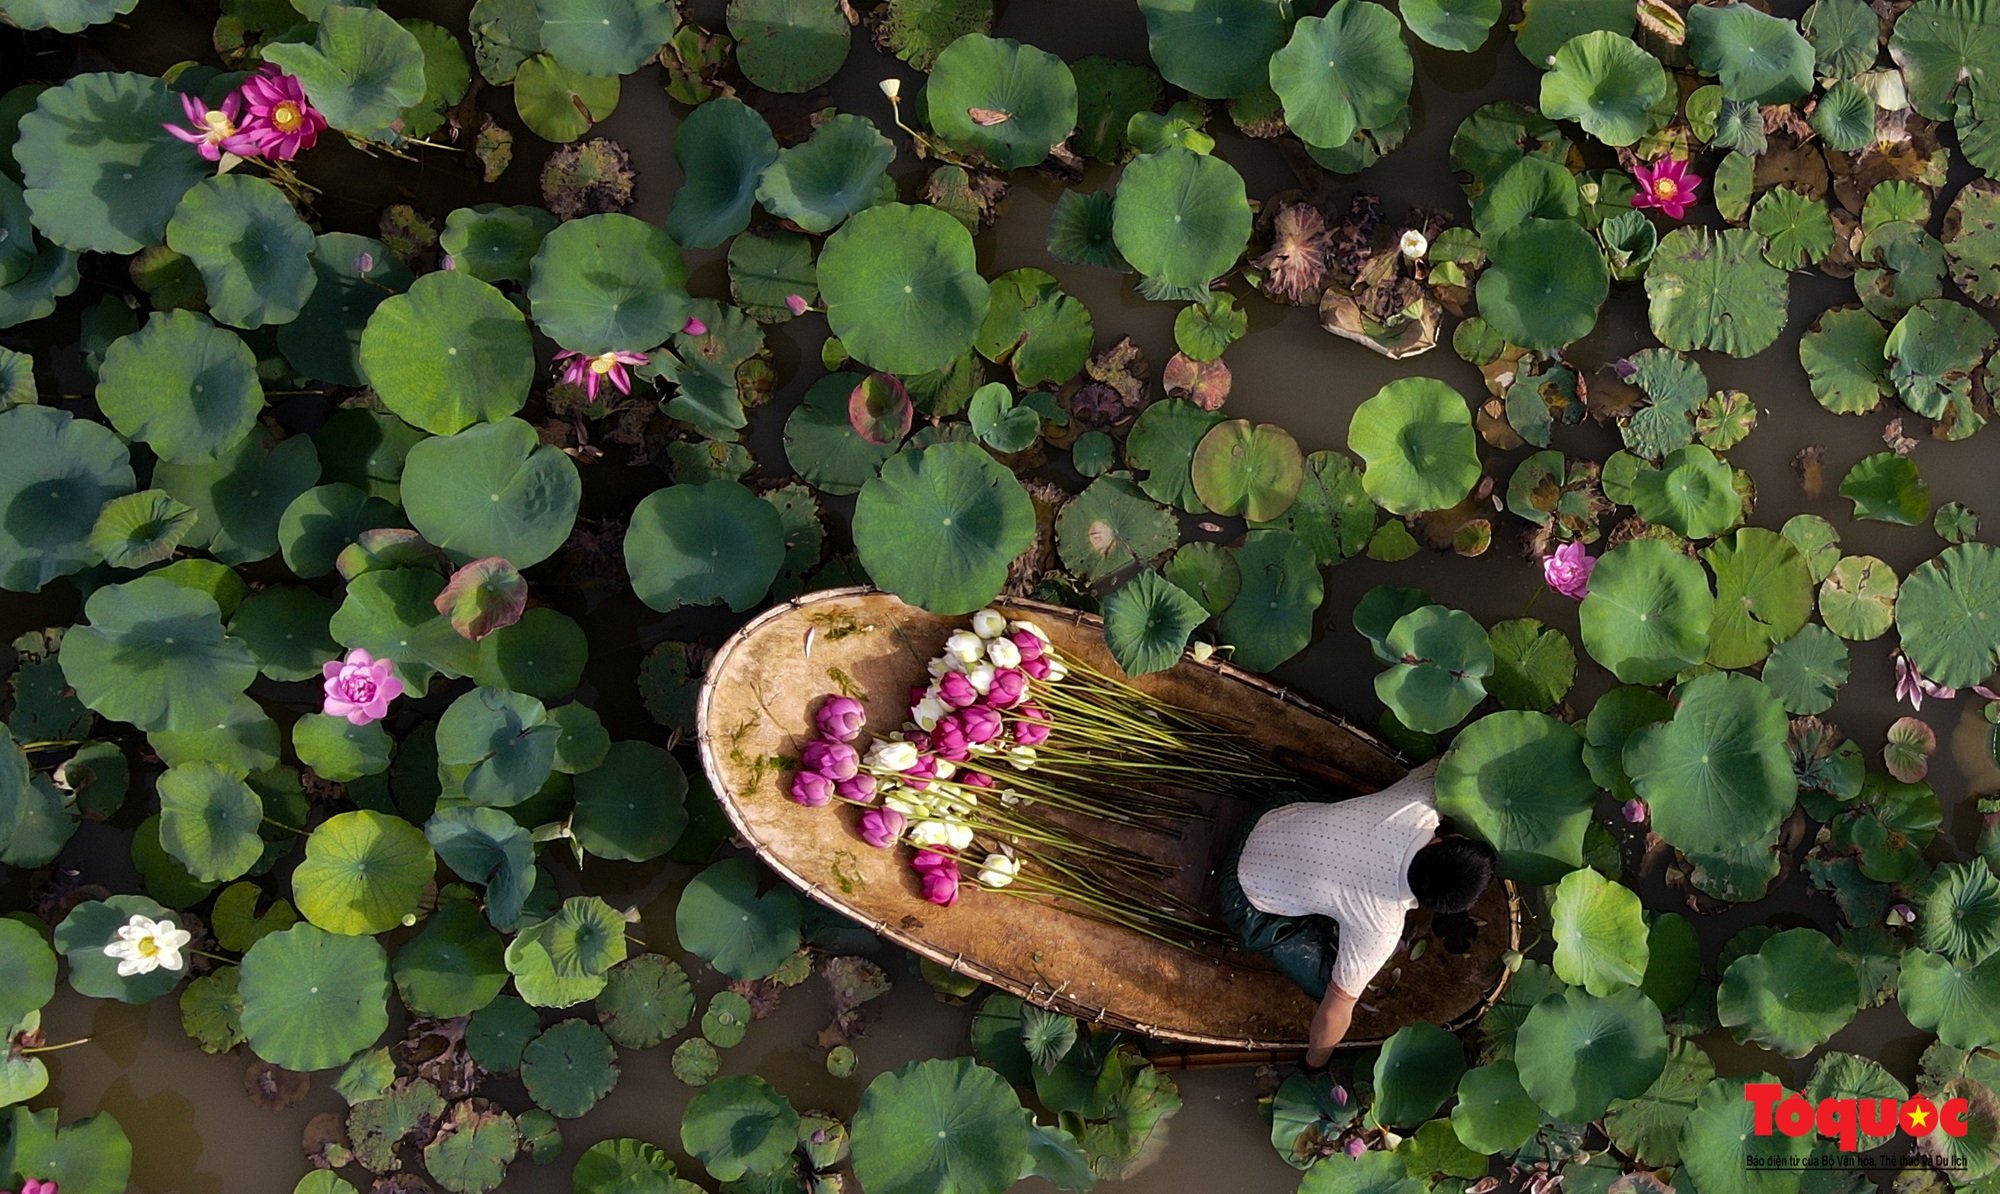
x,y
1303,948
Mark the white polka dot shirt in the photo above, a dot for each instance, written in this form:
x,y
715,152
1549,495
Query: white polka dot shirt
x,y
1349,860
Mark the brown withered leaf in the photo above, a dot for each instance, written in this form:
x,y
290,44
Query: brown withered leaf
x,y
1204,383
1895,440
1811,466
988,117
274,1089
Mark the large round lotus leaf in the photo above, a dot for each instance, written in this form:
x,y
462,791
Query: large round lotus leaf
x,y
487,847
722,920
1530,187
56,473
1763,595
559,104
154,655
1342,73
65,16
1807,670
1180,217
723,148
1940,44
633,806
392,613
646,1000
937,1126
337,749
495,747
1577,1052
1718,1144
361,71
1948,615
366,449
1147,621
51,275
1493,1114
285,627
698,544
1518,780
1960,1003
1218,49
1932,353
569,1068
454,967
1714,290
1443,658
363,873
1534,666
89,927
241,496
1693,492
1648,611
492,490
313,999
1333,514
1417,446
493,242
902,288
1415,1073
1958,912
1758,57
1886,487
475,1143
31,970
450,353
765,271
1842,357
1607,84
253,251
1162,443
1041,333
1791,995
627,1166
740,1125
1004,101
1798,230
209,821
821,444
1497,135
1376,1172
324,520
1600,933
185,387
356,274
1648,1126
1545,283
541,655
1271,619
608,282
1461,25
603,37
840,170
789,45
1109,527
1250,469
97,171
1717,774
940,526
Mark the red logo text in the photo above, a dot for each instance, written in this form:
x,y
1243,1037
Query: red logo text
x,y
1847,1120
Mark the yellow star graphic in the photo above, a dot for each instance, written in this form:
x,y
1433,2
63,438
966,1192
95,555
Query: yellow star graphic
x,y
1919,1117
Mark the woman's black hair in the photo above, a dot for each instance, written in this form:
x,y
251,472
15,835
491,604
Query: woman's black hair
x,y
1449,874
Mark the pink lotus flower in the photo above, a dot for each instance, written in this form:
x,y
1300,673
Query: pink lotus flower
x,y
1912,687
1037,669
1032,727
882,827
840,718
948,738
935,860
1356,1147
1666,186
834,760
280,122
1635,811
811,789
35,1185
1009,686
856,789
796,304
957,691
694,327
1027,643
920,776
359,687
214,131
590,372
1340,1095
982,724
941,887
1568,570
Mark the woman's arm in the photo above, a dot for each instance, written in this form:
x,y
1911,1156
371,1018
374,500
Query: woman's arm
x,y
1329,1026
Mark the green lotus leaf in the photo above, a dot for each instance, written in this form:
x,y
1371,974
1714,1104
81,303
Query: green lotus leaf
x,y
56,474
727,1020
1271,619
1496,136
495,748
1110,526
765,271
583,940
633,806
902,288
1972,240
363,873
97,173
240,497
1528,188
1845,36
1941,45
558,104
821,444
722,920
627,1166
1533,665
1206,572
1415,439
1364,84
31,968
840,170
1001,100
1041,333
1933,353
1607,84
646,1001
1518,780
475,1143
209,820
338,750
1791,995
1163,442
940,526
1693,492
603,37
1255,470
723,147
740,1125
493,489
541,655
1948,615
1461,25
65,16
1147,621
939,1125
1844,118
361,70
1332,514
1717,773
366,449
1217,49
1577,1052
1960,1003
356,274
1548,25
1545,284
182,385
487,847
1758,57
1443,658
1648,1126
392,613
154,654
1716,1142
569,1068
789,45
1110,92
51,274
1647,613
1763,595
253,251
1807,670
454,966
1081,230
698,544
313,999
1958,913
1886,487
608,282
88,1156
89,927
1371,1173
1797,230
285,627
1600,933
493,242
1415,1073
484,596
1844,363
1901,266
1181,217
1714,290
999,423
450,353
1493,1114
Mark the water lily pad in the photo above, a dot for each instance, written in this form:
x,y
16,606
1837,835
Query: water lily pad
x,y
361,71
1443,657
1518,780
1001,100
1948,614
1533,665
723,147
1577,1052
1901,264
493,489
821,444
495,748
633,806
97,173
740,1125
1807,670
209,820
1181,217
1600,933
1791,995
1717,773
698,544
939,1125
88,928
789,45
1714,290
999,423
253,251
1461,25
558,104
940,525
569,1068
475,1143
363,873
56,473
1417,446
626,1166
902,288
840,170
541,655
450,353
608,282
1758,57
1958,912
1607,84
354,275
766,271
1218,49
1960,1003
723,920
1364,84
1110,526
154,654
1545,284
1271,619
1147,621
1844,362
182,385
313,999
392,613
493,242
1716,1142
1885,487
1797,230
727,1020
1648,612
454,966
1933,353
603,37
646,1001
1163,442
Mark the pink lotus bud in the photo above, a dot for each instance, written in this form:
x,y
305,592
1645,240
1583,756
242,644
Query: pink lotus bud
x,y
1339,1096
1008,687
957,691
975,779
1026,642
835,760
919,694
1568,570
1635,811
1032,727
934,860
694,327
857,789
949,740
1902,914
796,304
1356,1147
882,827
941,887
1037,669
811,789
982,724
38,1186
840,718
364,263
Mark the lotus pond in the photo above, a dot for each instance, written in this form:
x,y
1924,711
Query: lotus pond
x,y
398,407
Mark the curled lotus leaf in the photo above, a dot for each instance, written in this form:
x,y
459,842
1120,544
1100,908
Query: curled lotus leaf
x,y
840,170
1147,621
723,147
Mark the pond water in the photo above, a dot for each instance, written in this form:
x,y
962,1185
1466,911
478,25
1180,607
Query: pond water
x,y
196,1132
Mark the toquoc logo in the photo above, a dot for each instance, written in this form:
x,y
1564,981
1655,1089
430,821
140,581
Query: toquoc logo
x,y
1847,1120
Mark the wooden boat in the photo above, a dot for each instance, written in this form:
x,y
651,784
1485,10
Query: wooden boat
x,y
756,709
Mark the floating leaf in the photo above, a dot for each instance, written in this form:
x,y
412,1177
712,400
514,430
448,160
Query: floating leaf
x,y
723,920
1600,933
1004,101
1546,282
1716,1142
154,654
362,70
1789,996
1607,84
1577,1052
1885,487
1041,333
1181,217
840,170
1110,526
1443,657
209,820
1416,442
363,873
313,999
253,251
1647,613
940,525
97,173
1271,619
1858,598
450,353
646,1000
1933,353
1518,780
698,544
1796,229
1763,595
607,282
492,490
633,806
495,748
1714,290
789,45
1717,773
56,473
939,1125
569,1068
1147,621
740,1125
182,385
1807,670
603,37
558,104
1364,84
902,288
1948,615
1218,49
1758,57
1907,754
1462,25
1844,363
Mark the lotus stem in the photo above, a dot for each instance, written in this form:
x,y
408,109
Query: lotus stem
x,y
55,1048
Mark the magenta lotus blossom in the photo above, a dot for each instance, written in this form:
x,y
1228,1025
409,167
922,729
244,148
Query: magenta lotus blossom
x,y
948,738
35,1185
1567,571
694,327
920,776
1356,1147
957,691
796,304
1037,669
941,887
934,860
1635,811
1027,643
214,131
811,789
280,122
591,372
1009,685
1032,728
840,718
359,687
1666,186
975,779
834,760
982,725
856,789
1912,687
882,827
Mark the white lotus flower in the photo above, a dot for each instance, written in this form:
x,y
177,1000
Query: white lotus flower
x,y
1414,245
981,675
1003,653
929,833
144,945
989,623
944,767
957,834
1886,88
893,88
926,713
965,646
1056,669
891,756
1030,627
998,871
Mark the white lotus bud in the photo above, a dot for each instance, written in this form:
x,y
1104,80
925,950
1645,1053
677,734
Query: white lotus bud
x,y
958,835
1021,758
941,667
945,767
891,756
989,623
981,675
908,803
965,646
1886,88
1414,245
1003,653
893,88
929,833
1202,651
998,871
926,713
1056,669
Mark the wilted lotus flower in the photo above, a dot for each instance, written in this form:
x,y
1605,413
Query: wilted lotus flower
x,y
998,871
280,122
1356,1147
1001,652
1666,186
1902,914
1911,685
1295,267
359,687
834,760
887,755
989,623
893,88
840,718
1413,245
213,131
811,789
144,945
1567,571
1635,811
882,827
590,372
